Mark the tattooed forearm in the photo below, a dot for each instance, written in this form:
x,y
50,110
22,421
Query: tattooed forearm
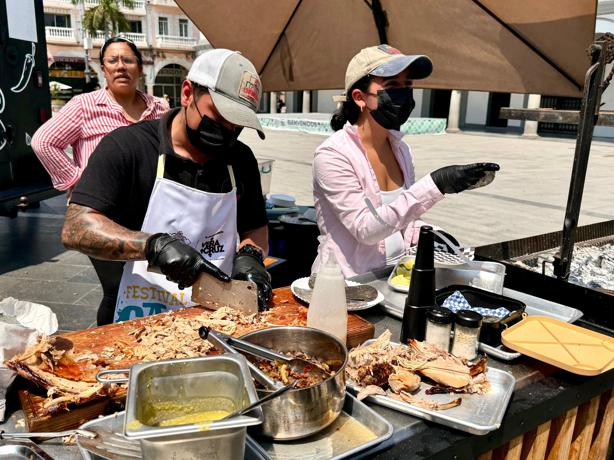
x,y
94,234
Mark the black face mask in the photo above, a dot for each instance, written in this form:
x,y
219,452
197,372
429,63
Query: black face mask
x,y
211,137
393,107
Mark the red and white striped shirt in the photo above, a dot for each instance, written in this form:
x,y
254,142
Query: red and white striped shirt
x,y
82,123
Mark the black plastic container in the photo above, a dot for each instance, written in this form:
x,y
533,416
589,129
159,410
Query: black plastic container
x,y
421,294
492,327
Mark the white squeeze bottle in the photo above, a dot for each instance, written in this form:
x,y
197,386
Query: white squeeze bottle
x,y
328,307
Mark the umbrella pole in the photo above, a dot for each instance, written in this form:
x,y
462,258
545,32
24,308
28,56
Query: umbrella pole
x,y
381,22
589,112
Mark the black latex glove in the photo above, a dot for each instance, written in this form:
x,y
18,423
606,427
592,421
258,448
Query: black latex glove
x,y
180,262
249,266
455,179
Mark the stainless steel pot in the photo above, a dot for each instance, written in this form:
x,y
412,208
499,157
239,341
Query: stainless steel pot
x,y
305,411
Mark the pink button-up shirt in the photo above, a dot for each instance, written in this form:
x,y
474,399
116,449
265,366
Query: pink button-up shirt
x,y
82,123
345,187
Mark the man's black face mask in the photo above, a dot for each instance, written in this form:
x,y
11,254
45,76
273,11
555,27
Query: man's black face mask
x,y
211,137
393,107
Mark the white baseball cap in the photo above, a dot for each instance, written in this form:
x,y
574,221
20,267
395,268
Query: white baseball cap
x,y
233,83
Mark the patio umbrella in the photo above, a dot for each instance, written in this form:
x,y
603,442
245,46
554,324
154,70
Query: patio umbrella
x,y
520,46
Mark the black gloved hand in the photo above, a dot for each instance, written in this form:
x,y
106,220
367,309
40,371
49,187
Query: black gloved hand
x,y
455,179
180,262
249,266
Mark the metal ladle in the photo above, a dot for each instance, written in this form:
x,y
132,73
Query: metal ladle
x,y
267,398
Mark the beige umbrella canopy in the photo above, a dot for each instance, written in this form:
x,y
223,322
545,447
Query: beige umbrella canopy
x,y
519,46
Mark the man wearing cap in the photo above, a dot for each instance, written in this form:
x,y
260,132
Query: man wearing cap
x,y
181,194
367,198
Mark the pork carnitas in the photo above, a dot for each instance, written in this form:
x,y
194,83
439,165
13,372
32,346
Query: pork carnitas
x,y
68,373
384,368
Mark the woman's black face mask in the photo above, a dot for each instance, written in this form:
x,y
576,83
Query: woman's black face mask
x,y
393,107
211,137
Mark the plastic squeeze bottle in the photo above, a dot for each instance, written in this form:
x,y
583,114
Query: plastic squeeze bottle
x,y
328,306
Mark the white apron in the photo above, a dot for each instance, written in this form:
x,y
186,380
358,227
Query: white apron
x,y
206,221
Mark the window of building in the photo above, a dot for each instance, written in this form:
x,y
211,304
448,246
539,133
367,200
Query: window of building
x,y
57,20
136,27
162,26
183,27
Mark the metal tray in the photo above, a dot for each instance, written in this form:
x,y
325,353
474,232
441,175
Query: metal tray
x,y
343,439
477,414
114,423
340,440
394,303
15,449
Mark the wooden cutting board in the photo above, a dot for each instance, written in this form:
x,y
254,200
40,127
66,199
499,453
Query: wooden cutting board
x,y
285,309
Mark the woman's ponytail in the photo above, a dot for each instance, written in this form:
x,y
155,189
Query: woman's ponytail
x,y
349,111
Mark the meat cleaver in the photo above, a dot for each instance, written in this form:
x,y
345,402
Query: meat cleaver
x,y
213,293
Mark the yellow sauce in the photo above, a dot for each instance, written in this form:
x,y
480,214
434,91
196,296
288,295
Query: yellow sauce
x,y
200,417
134,425
200,411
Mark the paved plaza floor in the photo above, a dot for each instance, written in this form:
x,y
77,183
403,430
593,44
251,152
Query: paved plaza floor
x,y
528,197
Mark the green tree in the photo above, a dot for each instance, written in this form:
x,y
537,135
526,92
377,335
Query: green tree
x,y
106,17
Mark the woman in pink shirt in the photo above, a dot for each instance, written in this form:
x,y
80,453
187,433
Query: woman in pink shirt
x,y
367,200
87,118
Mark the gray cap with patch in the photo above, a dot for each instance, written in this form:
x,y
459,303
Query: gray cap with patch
x,y
233,83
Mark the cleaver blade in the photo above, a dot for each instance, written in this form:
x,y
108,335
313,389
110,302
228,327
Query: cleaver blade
x,y
213,293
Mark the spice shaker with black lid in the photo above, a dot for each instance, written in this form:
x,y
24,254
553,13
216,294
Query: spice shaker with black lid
x,y
421,295
438,327
467,325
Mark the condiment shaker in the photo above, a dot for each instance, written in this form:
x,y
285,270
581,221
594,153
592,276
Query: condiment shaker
x,y
421,295
467,325
438,327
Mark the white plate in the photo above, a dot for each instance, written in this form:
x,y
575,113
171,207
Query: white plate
x,y
303,283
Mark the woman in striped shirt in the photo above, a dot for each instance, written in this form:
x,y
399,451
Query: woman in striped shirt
x,y
87,118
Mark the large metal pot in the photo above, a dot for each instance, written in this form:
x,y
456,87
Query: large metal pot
x,y
305,411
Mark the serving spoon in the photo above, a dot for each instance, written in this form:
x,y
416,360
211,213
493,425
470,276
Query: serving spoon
x,y
267,398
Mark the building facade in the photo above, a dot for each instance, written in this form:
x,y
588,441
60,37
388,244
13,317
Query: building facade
x,y
165,36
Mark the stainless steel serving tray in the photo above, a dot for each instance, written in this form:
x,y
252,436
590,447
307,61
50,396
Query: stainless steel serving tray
x,y
394,303
113,423
16,449
343,439
477,414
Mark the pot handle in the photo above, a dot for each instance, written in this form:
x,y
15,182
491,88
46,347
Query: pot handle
x,y
102,379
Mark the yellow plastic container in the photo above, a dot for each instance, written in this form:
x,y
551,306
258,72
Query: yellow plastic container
x,y
561,344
